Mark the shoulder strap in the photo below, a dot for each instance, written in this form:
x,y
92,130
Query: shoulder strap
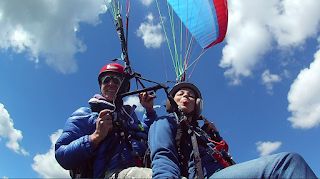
x,y
127,108
110,156
124,137
183,154
197,159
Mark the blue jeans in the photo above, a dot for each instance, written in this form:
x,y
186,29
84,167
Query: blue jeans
x,y
283,165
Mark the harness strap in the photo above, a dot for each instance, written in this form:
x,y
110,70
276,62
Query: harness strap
x,y
197,159
125,137
218,156
122,135
214,152
110,156
183,155
119,157
133,152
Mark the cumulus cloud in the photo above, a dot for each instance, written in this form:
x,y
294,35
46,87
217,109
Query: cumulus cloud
x,y
266,148
268,79
134,100
303,97
254,26
150,33
46,165
157,106
146,2
8,131
286,74
47,29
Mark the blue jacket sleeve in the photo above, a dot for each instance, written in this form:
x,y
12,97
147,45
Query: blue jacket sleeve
x,y
165,162
74,141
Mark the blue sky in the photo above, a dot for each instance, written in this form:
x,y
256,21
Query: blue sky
x,y
260,86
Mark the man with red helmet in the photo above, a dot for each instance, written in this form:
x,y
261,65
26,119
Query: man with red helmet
x,y
110,78
93,146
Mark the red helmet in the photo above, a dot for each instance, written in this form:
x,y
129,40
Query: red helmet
x,y
111,67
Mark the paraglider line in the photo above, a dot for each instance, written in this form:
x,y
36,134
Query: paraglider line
x,y
173,33
195,64
189,50
164,29
128,6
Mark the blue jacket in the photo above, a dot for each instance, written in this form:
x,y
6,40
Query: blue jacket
x,y
164,156
73,148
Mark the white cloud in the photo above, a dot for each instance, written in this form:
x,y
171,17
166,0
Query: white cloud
x,y
47,29
268,79
150,33
46,164
8,131
286,73
303,97
134,100
254,25
146,2
157,106
294,21
266,148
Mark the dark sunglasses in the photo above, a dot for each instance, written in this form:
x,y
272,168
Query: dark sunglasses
x,y
116,79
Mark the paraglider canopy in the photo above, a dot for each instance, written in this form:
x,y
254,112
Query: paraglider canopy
x,y
205,23
206,19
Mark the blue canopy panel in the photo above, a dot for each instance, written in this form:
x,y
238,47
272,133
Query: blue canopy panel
x,y
205,19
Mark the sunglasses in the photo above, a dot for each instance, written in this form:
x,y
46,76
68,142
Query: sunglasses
x,y
116,79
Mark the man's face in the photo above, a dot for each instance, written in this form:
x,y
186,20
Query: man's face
x,y
109,85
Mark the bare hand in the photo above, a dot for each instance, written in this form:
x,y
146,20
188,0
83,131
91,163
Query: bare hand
x,y
103,126
146,100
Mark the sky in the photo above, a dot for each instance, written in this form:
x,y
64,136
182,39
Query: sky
x,y
260,86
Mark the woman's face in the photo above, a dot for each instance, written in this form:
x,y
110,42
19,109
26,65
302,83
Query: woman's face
x,y
185,99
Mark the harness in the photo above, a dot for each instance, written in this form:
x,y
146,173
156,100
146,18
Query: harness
x,y
124,138
198,138
86,170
